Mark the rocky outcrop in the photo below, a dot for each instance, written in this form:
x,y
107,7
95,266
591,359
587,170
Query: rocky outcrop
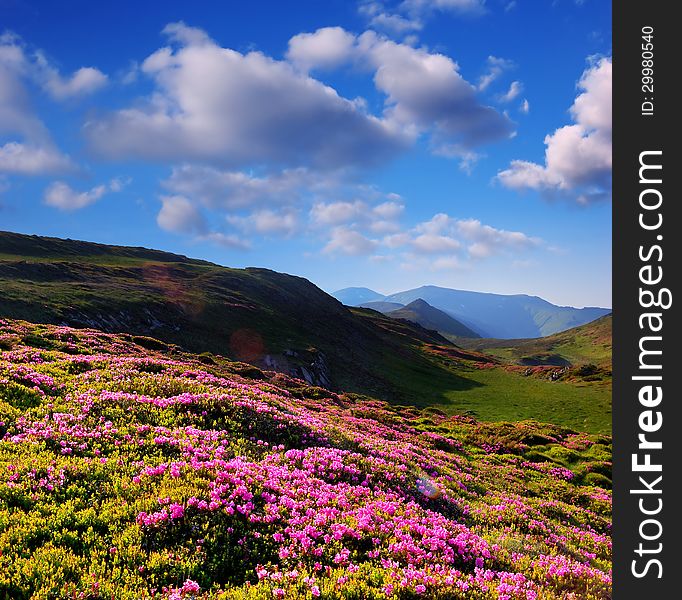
x,y
311,366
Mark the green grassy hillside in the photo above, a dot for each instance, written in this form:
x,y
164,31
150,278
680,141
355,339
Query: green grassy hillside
x,y
590,343
493,389
278,322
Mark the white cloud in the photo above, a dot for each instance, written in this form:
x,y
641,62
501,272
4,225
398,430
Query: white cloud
x,y
29,159
445,236
514,90
233,190
404,16
486,240
430,243
62,196
118,183
349,242
327,48
447,263
337,213
267,222
440,243
380,219
524,107
82,82
270,203
30,149
424,7
424,91
215,104
233,242
379,17
180,215
496,67
577,157
391,209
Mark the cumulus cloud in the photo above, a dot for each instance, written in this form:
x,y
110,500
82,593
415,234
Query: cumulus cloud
x,y
358,214
62,196
30,151
495,68
424,91
180,215
36,67
350,242
232,190
272,203
485,240
382,18
231,241
577,156
267,222
336,213
524,107
33,159
424,7
215,104
82,82
411,15
446,263
433,243
514,90
443,237
327,48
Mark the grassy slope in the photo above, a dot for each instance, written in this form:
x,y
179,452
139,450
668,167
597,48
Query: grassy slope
x,y
491,390
132,473
199,306
590,343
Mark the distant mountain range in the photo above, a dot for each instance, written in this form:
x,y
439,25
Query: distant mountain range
x,y
382,307
487,315
355,296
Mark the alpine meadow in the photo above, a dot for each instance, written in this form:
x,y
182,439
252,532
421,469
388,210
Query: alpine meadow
x,y
305,300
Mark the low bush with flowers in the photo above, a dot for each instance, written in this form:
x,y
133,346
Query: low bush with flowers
x,y
133,473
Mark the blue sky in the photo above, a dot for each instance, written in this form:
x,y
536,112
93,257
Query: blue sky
x,y
459,143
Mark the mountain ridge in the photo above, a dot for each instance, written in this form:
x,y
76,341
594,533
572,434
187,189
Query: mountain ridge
x,y
499,315
421,312
491,315
271,320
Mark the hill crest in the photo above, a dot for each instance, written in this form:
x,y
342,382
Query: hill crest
x,y
421,312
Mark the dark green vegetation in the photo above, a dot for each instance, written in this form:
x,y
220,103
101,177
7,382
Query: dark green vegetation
x,y
427,316
282,323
